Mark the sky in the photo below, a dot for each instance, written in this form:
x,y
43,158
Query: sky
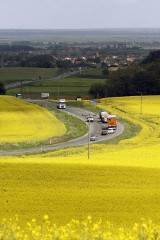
x,y
79,14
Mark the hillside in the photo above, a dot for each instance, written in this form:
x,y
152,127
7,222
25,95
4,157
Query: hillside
x,y
24,124
120,183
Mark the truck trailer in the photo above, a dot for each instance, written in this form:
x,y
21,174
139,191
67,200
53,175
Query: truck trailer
x,y
112,121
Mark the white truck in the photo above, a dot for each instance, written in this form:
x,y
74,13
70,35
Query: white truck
x,y
103,116
61,104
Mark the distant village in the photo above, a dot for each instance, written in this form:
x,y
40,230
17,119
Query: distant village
x,y
65,55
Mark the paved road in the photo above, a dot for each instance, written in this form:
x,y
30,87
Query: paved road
x,y
19,83
95,128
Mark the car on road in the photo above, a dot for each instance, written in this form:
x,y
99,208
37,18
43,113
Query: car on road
x,y
19,95
104,132
93,137
61,106
110,130
90,119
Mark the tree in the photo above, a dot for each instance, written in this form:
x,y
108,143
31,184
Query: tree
x,y
152,57
105,72
98,90
2,89
133,80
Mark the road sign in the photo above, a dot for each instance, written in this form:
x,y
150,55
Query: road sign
x,y
93,101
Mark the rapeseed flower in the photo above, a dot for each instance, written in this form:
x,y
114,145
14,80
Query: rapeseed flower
x,y
23,122
147,230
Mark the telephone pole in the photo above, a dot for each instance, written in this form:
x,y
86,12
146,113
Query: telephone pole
x,y
141,104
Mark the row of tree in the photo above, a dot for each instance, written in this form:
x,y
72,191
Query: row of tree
x,y
132,80
2,89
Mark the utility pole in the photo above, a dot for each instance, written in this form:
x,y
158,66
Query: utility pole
x,y
89,139
21,87
141,104
105,95
30,91
58,92
88,117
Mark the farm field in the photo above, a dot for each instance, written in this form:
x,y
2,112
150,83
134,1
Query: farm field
x,y
23,123
120,183
14,74
70,87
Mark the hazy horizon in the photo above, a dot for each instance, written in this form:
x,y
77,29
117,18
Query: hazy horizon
x,y
81,35
90,28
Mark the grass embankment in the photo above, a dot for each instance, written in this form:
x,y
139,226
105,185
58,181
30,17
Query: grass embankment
x,y
120,183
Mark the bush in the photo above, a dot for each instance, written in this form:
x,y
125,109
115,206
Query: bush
x,y
2,89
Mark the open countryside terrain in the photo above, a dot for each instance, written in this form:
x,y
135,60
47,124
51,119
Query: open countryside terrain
x,y
15,74
71,87
26,125
120,183
23,123
67,87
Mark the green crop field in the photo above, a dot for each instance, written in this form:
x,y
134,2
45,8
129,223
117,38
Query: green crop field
x,y
71,87
14,74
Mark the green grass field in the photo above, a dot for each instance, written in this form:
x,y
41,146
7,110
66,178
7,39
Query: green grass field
x,y
71,87
14,74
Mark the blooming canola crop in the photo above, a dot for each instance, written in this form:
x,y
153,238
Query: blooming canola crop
x,y
23,122
141,150
120,183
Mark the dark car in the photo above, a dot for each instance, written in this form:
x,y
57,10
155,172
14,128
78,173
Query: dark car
x,y
104,132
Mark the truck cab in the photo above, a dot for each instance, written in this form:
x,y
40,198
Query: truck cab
x,y
61,104
19,95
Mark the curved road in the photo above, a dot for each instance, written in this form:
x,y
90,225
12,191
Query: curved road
x,y
94,128
24,82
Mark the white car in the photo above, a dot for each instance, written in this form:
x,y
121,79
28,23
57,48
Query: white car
x,y
61,106
90,119
94,138
110,130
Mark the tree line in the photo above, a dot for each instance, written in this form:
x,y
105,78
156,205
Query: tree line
x,y
2,89
132,80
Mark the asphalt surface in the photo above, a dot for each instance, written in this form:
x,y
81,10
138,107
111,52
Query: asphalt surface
x,y
20,83
94,127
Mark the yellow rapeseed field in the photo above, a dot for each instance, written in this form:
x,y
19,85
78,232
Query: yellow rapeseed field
x,y
24,122
120,183
76,230
142,150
